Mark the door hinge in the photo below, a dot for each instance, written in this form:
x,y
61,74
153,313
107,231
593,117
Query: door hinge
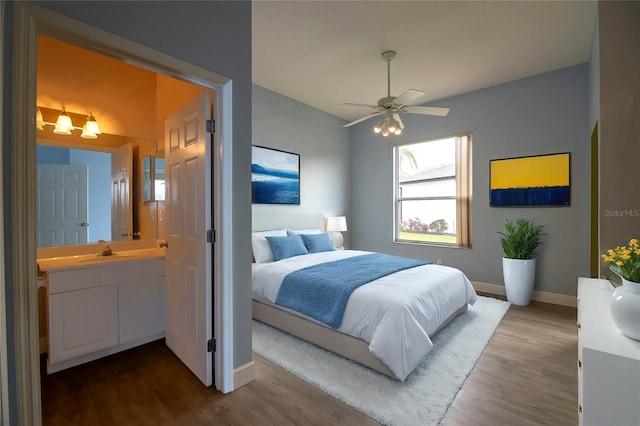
x,y
211,235
211,345
211,126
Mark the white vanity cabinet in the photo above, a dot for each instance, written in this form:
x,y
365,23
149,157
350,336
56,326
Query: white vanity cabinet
x,y
82,321
103,309
608,362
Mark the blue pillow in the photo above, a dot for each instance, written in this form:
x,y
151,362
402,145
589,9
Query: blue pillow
x,y
284,247
317,242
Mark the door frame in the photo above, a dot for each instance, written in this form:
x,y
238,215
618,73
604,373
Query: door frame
x,y
29,21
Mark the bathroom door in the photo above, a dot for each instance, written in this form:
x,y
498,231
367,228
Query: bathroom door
x,y
121,193
188,266
61,204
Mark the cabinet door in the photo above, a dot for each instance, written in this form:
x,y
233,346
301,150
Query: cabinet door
x,y
141,308
82,321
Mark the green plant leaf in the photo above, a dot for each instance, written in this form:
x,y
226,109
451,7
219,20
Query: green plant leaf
x,y
521,239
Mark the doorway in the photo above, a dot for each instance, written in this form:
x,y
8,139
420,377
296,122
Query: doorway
x,y
28,22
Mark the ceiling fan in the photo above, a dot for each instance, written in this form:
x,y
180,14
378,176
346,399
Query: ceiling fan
x,y
392,106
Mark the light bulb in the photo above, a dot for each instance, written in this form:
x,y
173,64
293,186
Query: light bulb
x,y
63,124
39,120
377,129
397,132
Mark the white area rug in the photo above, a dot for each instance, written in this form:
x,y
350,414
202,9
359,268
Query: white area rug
x,y
426,394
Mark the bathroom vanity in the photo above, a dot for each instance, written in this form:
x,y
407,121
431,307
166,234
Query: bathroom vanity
x,y
100,305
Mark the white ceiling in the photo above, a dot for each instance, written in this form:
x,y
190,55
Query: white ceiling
x,y
323,53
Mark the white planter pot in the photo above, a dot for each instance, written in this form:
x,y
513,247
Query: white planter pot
x,y
518,279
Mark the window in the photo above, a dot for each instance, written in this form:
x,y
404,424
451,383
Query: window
x,y
433,191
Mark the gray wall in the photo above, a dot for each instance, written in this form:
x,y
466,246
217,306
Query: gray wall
x,y
323,144
213,35
547,113
619,126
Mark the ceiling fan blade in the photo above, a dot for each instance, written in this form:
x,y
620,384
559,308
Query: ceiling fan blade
x,y
366,117
409,97
441,112
359,105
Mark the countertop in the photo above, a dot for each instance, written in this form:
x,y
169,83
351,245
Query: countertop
x,y
57,264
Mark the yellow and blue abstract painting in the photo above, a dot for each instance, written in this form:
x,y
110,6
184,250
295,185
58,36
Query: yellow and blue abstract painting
x,y
543,180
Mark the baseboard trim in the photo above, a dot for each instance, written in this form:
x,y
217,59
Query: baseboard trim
x,y
244,374
538,296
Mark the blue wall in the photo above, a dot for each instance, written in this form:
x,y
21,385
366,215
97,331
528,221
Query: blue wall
x,y
547,113
51,155
324,147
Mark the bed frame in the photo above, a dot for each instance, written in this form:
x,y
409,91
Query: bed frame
x,y
332,340
307,329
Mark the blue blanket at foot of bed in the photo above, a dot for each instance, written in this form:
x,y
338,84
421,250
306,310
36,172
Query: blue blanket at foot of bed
x,y
322,291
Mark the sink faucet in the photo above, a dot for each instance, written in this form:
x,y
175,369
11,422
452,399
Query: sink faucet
x,y
106,249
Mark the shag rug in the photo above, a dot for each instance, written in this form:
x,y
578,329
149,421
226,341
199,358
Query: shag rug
x,y
423,398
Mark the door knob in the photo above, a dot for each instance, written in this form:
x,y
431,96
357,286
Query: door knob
x,y
84,224
124,234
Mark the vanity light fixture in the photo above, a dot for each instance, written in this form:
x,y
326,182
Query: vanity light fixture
x,y
39,120
90,129
64,126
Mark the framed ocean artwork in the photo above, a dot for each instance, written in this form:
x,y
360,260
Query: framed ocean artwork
x,y
275,176
541,180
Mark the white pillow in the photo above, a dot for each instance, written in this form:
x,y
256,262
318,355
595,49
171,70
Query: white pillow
x,y
291,232
261,250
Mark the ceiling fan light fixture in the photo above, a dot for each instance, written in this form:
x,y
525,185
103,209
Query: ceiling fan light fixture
x,y
392,106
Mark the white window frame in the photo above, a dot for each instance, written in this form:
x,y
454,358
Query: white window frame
x,y
463,191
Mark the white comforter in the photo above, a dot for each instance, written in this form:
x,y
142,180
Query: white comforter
x,y
394,314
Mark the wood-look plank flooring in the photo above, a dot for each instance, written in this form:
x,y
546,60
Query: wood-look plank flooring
x,y
527,375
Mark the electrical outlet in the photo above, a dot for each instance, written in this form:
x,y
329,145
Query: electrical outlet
x,y
438,261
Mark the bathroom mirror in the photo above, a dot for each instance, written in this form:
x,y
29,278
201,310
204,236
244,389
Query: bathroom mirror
x,y
91,161
152,174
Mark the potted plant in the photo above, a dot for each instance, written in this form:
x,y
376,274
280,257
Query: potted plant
x,y
625,301
520,242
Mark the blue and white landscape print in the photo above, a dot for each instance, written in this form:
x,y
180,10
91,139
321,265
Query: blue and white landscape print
x,y
275,176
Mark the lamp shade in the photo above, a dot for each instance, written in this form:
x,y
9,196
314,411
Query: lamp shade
x,y
39,120
63,124
337,224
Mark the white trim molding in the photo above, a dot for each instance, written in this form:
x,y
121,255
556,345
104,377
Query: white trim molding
x,y
244,374
538,296
30,20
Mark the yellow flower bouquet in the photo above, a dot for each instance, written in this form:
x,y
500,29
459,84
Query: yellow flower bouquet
x,y
626,259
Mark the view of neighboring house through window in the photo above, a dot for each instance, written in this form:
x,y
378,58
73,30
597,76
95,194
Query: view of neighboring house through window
x,y
433,191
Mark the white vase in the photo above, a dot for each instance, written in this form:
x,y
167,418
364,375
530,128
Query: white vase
x,y
518,277
625,308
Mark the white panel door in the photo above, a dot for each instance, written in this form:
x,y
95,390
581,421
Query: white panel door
x,y
121,193
62,204
189,282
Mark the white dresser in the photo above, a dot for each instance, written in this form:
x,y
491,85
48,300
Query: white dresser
x,y
608,362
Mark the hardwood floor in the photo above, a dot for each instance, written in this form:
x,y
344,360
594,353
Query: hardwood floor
x,y
526,375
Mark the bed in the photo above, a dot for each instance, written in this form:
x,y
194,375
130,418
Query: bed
x,y
382,328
